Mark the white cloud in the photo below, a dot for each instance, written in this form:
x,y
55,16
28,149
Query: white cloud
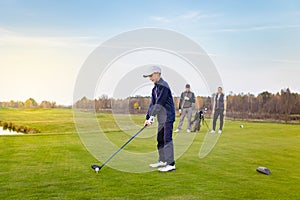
x,y
11,38
258,28
160,19
187,16
190,15
286,61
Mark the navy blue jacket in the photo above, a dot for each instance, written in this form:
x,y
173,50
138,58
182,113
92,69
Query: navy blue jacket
x,y
161,104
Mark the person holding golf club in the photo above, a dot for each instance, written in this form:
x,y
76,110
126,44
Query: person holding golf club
x,y
187,99
162,106
219,109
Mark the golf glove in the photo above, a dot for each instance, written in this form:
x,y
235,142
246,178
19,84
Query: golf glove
x,y
151,119
186,98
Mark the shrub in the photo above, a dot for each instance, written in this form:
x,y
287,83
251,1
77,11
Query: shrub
x,y
26,129
9,125
4,125
16,128
32,131
21,129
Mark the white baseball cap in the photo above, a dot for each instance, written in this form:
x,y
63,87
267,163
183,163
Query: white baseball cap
x,y
151,70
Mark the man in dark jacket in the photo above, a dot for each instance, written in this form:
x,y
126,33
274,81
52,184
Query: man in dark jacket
x,y
219,109
162,106
187,99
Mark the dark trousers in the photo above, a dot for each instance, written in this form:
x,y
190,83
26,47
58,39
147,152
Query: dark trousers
x,y
165,143
216,115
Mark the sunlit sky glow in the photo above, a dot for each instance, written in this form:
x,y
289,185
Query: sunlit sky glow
x,y
255,45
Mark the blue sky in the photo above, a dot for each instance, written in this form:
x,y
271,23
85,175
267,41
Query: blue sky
x,y
254,44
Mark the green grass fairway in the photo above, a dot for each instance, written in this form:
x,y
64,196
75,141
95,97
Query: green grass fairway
x,y
55,165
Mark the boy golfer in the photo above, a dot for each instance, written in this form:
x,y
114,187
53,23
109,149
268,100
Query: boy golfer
x,y
162,106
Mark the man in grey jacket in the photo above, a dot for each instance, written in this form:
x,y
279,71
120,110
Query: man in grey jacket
x,y
187,99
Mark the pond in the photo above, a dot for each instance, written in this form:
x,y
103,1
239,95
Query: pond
x,y
8,132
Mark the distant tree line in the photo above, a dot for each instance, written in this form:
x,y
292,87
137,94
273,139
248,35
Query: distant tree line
x,y
283,105
133,105
30,103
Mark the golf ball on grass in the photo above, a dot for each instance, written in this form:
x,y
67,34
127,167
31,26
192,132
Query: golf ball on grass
x,y
241,126
97,169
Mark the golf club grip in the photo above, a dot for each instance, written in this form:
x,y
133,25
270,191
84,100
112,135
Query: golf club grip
x,y
113,155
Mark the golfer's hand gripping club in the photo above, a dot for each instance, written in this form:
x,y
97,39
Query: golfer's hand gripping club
x,y
149,121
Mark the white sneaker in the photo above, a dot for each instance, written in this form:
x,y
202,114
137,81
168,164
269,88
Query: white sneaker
x,y
188,130
177,130
220,131
167,168
158,164
212,131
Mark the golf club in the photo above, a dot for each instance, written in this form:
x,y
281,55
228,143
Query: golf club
x,y
204,121
97,168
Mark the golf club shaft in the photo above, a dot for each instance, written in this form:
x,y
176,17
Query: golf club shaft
x,y
113,155
206,124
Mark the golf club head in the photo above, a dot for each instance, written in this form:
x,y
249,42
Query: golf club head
x,y
96,168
